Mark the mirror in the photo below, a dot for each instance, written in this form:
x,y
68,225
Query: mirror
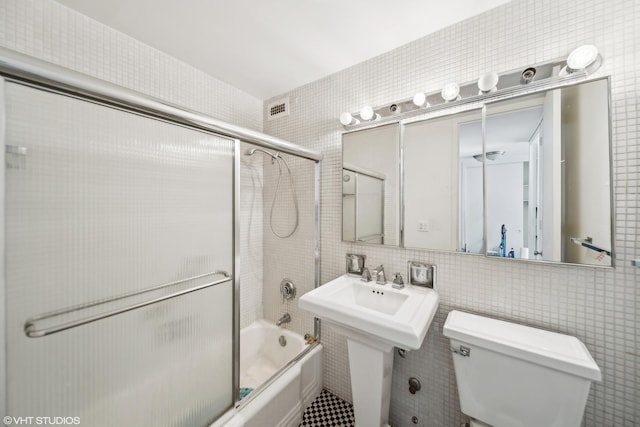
x,y
370,185
443,195
548,176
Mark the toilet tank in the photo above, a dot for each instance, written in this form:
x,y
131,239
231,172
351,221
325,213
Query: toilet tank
x,y
511,375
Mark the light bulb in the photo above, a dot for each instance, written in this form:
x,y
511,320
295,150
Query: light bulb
x,y
347,119
581,57
564,71
450,92
366,113
420,99
488,81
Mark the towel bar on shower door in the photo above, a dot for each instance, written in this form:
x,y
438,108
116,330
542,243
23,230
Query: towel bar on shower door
x,y
32,331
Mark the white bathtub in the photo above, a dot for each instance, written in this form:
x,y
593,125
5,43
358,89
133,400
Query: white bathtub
x,y
283,400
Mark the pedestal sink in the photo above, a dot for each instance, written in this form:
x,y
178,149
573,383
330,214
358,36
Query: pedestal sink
x,y
375,319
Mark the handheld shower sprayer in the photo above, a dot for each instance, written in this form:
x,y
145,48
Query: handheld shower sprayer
x,y
277,158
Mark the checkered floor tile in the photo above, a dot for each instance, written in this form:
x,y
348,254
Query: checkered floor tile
x,y
328,410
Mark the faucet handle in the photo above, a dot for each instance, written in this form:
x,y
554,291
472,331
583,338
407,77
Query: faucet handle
x,y
398,282
366,275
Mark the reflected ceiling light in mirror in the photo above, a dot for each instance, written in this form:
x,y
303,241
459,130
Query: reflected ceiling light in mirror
x,y
450,92
348,120
491,155
420,100
367,113
488,82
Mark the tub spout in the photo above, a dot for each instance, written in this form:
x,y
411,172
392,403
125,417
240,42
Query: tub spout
x,y
286,318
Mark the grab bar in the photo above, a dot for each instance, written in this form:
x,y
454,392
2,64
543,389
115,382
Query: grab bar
x,y
32,332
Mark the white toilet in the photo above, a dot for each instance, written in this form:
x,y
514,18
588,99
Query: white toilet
x,y
511,375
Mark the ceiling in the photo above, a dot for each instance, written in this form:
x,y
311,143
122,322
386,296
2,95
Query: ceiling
x,y
266,48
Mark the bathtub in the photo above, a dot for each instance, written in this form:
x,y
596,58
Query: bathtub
x,y
282,400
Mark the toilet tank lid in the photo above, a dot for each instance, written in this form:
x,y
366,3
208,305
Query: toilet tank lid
x,y
557,351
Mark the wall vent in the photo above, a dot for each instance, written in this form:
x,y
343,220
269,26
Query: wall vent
x,y
278,108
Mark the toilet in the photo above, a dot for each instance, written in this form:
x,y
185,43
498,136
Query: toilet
x,y
510,375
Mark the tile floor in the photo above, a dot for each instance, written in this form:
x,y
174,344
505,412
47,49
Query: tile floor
x,y
328,410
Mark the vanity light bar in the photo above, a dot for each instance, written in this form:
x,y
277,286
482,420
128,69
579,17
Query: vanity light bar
x,y
528,79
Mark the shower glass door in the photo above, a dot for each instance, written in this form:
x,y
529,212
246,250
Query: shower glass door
x,y
115,225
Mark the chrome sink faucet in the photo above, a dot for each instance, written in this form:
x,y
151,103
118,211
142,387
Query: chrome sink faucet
x,y
378,272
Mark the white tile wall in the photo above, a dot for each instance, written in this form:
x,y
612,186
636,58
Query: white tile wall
x,y
601,307
292,257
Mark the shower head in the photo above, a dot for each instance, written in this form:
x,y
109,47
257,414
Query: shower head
x,y
252,151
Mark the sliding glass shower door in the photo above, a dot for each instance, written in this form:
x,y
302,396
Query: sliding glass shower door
x,y
119,251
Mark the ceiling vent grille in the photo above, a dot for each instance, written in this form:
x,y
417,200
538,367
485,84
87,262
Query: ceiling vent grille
x,y
278,108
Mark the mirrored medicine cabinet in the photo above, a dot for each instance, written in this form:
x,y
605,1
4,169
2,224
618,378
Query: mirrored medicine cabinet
x,y
524,177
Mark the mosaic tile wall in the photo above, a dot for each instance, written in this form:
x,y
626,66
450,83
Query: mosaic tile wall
x,y
292,257
54,33
599,306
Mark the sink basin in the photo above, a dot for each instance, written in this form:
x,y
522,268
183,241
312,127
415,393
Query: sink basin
x,y
360,295
366,310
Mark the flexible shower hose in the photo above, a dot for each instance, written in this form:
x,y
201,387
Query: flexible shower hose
x,y
278,157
